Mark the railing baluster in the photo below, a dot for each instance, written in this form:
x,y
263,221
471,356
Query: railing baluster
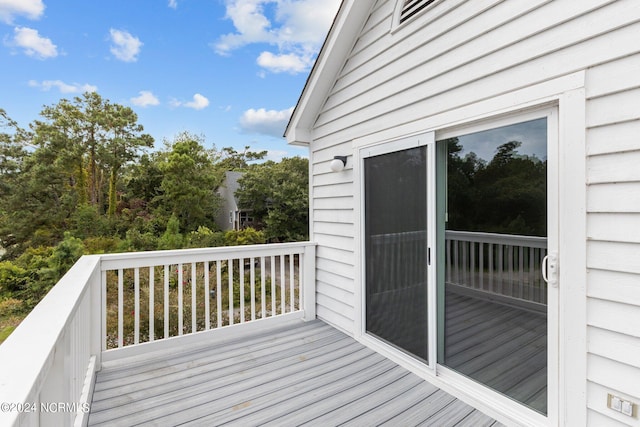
x,y
166,301
253,288
194,301
152,311
136,309
481,265
301,280
491,283
532,284
180,300
263,283
283,291
207,298
241,265
219,293
465,262
448,260
521,272
103,296
501,267
511,262
456,264
231,294
272,264
291,283
120,308
472,267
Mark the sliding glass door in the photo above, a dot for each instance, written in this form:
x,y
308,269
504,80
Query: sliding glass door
x,y
493,299
458,236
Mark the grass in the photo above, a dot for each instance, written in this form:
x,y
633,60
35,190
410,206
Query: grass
x,y
5,332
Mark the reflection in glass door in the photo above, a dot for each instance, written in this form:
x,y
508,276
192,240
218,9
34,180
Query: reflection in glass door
x,y
396,248
493,300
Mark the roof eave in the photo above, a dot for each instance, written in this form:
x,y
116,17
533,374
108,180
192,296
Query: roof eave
x,y
333,54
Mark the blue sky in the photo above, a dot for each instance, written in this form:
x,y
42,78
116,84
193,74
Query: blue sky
x,y
231,70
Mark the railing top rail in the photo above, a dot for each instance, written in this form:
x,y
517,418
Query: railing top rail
x,y
495,238
28,352
404,235
153,258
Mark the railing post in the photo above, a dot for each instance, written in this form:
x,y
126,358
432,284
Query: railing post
x,y
56,387
309,283
96,305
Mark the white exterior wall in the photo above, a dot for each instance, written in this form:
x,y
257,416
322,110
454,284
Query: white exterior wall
x,y
465,51
613,232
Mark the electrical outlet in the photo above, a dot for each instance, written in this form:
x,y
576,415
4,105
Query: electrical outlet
x,y
618,404
627,408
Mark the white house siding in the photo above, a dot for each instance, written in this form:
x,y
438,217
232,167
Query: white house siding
x,y
613,232
464,51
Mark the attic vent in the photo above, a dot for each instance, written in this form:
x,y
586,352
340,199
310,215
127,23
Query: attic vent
x,y
411,7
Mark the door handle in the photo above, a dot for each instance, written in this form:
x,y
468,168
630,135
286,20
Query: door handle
x,y
550,269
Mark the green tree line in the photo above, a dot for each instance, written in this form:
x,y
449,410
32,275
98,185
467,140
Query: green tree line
x,y
505,195
83,178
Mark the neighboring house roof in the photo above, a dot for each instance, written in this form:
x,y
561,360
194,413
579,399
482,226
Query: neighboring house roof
x,y
232,184
342,36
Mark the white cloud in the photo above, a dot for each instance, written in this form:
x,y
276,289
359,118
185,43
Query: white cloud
x,y
125,47
267,122
296,28
63,87
290,62
173,4
145,99
33,43
199,102
32,9
251,24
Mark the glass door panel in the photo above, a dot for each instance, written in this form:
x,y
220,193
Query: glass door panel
x,y
395,207
493,300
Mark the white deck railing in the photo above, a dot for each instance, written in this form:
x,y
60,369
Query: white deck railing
x,y
502,264
109,306
497,264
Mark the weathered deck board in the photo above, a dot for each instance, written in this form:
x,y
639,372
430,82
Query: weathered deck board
x,y
293,374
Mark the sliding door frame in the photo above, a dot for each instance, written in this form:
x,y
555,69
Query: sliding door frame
x,y
550,113
568,395
424,139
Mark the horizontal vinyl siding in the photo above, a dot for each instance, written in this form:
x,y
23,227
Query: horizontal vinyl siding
x,y
437,77
600,415
464,51
613,232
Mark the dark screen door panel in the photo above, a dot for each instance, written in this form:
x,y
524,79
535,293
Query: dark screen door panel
x,y
396,249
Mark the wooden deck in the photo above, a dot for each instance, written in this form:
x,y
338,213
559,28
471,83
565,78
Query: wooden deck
x,y
292,374
499,345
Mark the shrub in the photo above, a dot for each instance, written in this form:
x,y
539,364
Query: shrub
x,y
171,239
86,221
248,236
101,245
205,238
12,278
10,307
138,241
